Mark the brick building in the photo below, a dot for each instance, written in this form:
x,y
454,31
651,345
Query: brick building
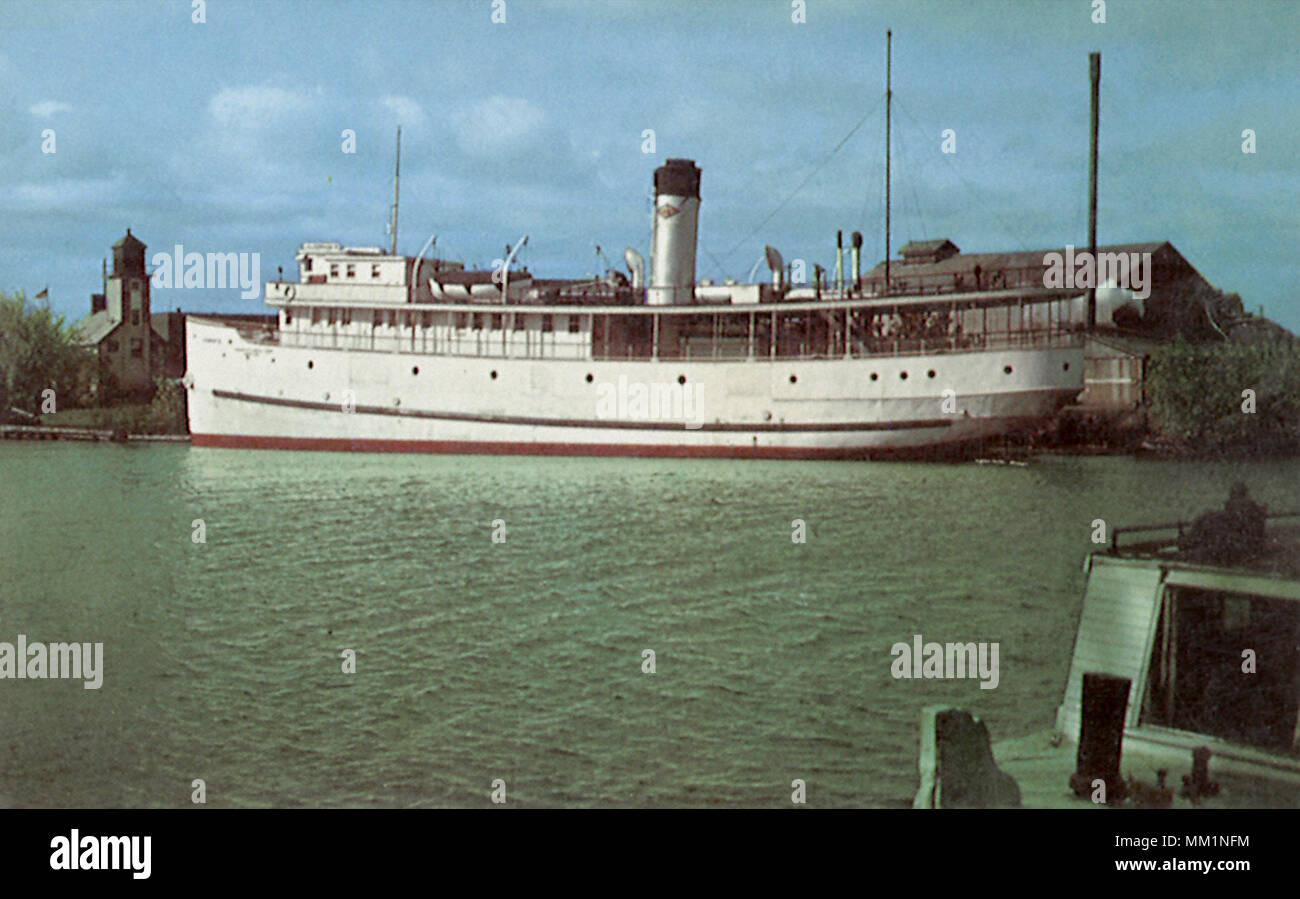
x,y
131,344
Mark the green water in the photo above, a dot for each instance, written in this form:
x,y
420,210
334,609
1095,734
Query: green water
x,y
522,660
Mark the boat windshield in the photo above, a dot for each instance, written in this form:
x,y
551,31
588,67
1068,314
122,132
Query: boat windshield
x,y
1226,665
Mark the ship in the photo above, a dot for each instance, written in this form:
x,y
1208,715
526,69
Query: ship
x,y
376,351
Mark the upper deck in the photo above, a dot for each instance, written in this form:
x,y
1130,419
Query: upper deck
x,y
580,320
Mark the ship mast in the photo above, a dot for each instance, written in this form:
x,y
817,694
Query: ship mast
x,y
397,175
1094,67
889,98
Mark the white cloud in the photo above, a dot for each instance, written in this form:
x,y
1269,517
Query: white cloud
x,y
499,126
63,194
404,109
47,108
252,107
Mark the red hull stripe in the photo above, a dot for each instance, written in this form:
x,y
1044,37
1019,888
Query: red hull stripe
x,y
751,427
515,448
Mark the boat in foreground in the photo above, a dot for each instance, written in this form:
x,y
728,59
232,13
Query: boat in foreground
x,y
1183,688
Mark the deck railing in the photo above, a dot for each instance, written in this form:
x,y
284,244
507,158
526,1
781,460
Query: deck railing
x,y
427,342
1179,526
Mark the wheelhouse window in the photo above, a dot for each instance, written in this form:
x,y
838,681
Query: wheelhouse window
x,y
352,270
334,270
1226,664
374,270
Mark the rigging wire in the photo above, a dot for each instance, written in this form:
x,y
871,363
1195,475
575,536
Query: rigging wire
x,y
875,200
821,165
1012,233
917,213
722,271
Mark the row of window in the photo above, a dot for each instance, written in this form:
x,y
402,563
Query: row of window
x,y
477,321
498,321
137,347
681,379
350,268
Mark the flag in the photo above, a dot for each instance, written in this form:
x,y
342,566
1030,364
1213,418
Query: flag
x,y
44,294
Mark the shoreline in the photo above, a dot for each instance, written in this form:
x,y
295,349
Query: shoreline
x,y
91,435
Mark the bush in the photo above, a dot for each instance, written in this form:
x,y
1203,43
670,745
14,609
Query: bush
x,y
167,411
1196,393
164,414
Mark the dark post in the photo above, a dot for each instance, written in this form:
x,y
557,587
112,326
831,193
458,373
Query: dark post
x,y
889,100
1094,60
1101,734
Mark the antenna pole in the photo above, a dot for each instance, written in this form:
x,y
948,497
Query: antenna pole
x,y
889,100
397,175
1094,65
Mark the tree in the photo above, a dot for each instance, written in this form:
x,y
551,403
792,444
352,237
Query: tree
x,y
38,351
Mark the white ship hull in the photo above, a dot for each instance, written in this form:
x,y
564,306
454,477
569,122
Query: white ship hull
x,y
250,393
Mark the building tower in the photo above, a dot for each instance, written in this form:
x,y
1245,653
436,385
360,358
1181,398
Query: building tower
x,y
126,297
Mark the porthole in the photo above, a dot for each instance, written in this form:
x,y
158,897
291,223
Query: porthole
x,y
930,373
681,379
310,364
902,375
875,377
1065,367
1006,369
793,379
590,378
494,374
415,369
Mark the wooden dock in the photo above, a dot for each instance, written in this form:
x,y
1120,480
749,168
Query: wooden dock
x,y
43,432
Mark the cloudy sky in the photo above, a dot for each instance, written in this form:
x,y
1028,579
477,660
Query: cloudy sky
x,y
227,136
